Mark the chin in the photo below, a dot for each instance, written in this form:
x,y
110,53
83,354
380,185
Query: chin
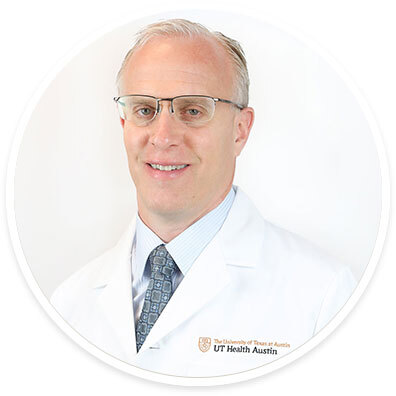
x,y
170,208
157,200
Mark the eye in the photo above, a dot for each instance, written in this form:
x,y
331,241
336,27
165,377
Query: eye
x,y
143,111
190,114
193,112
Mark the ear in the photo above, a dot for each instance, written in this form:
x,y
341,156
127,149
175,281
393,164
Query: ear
x,y
244,122
122,121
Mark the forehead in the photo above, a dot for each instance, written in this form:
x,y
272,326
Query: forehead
x,y
171,66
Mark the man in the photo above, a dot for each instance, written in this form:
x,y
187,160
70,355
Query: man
x,y
200,284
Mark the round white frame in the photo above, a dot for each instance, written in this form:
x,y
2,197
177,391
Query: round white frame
x,y
225,379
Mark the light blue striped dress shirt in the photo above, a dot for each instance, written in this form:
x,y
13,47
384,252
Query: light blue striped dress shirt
x,y
184,249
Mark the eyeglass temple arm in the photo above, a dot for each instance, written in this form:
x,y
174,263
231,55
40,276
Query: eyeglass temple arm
x,y
240,107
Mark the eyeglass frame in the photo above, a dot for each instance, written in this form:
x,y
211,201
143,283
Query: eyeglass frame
x,y
158,108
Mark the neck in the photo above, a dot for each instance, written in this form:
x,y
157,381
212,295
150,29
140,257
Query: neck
x,y
168,226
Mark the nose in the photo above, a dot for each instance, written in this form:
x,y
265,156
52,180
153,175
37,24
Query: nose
x,y
165,131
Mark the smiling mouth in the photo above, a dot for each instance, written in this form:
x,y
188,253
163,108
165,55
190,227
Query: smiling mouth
x,y
167,168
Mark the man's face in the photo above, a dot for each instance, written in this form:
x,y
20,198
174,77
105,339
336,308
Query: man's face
x,y
168,67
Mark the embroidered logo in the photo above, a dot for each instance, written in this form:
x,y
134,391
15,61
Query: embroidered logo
x,y
204,344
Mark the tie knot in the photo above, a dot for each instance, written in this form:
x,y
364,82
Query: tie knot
x,y
161,262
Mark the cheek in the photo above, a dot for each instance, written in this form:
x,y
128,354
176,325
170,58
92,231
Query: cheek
x,y
224,142
214,148
132,142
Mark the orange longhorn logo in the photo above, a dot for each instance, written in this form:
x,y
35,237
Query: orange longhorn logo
x,y
204,344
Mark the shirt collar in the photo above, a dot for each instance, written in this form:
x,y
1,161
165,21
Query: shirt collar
x,y
145,241
188,245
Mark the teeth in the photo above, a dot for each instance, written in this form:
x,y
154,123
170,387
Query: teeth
x,y
167,167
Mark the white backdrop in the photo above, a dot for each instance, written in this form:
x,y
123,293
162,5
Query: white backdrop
x,y
310,165
38,357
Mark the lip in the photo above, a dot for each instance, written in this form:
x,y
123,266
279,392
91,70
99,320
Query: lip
x,y
166,175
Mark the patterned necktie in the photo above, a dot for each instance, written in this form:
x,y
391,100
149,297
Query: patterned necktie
x,y
158,293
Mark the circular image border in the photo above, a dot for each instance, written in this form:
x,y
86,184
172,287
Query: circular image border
x,y
224,379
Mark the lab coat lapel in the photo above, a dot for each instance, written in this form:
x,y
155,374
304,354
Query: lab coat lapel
x,y
115,302
203,282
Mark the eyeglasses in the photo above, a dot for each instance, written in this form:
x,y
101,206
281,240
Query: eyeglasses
x,y
190,109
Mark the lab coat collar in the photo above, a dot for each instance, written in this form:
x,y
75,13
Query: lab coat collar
x,y
244,221
207,277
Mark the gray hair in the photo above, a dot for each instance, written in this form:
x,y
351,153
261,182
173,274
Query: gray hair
x,y
183,27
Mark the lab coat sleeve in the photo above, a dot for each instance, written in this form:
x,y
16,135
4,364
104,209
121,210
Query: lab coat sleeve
x,y
61,300
338,293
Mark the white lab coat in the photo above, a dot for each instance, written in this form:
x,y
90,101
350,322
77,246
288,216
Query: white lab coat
x,y
254,283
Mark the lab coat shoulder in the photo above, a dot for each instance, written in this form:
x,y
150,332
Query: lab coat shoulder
x,y
319,279
73,297
285,268
76,297
297,255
